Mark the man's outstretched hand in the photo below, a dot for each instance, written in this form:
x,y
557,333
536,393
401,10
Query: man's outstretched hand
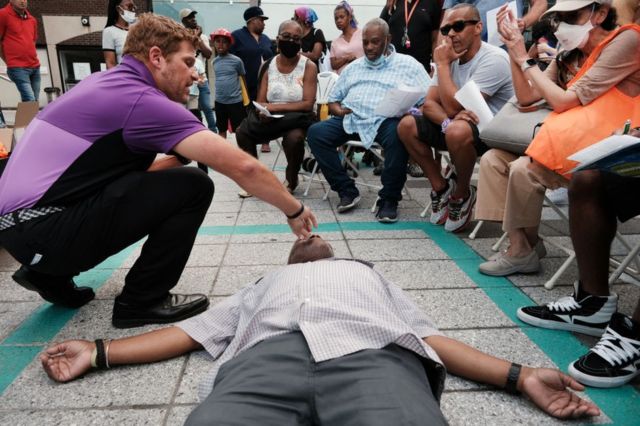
x,y
302,225
551,391
68,360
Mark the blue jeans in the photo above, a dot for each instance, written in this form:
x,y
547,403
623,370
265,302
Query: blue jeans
x,y
28,82
325,136
204,105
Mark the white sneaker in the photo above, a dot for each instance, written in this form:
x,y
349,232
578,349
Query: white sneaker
x,y
460,211
244,194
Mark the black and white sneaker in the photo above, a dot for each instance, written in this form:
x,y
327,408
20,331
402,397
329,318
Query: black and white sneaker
x,y
347,202
581,313
614,360
387,211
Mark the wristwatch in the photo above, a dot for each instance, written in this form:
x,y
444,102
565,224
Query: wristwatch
x,y
529,63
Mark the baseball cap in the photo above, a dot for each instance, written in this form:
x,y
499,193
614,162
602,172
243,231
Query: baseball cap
x,y
186,12
254,12
222,32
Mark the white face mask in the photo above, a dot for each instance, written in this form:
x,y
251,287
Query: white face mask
x,y
573,36
129,16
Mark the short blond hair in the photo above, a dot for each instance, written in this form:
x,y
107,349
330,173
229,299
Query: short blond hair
x,y
155,30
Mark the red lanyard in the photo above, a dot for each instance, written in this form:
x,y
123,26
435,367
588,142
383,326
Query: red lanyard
x,y
407,17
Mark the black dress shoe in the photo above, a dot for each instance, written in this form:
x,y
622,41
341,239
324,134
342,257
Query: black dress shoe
x,y
175,307
59,291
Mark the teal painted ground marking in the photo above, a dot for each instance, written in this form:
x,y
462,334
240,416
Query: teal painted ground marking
x,y
47,321
620,404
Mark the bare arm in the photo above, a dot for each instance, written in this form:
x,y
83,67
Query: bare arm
x,y
432,108
536,9
167,162
253,176
109,58
310,82
72,358
315,54
549,389
202,46
340,61
335,108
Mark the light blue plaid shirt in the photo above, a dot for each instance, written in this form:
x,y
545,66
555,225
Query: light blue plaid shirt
x,y
361,87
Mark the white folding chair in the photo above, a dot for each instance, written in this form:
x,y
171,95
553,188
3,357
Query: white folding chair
x,y
326,81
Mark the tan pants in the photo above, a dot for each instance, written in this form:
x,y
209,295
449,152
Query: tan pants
x,y
508,191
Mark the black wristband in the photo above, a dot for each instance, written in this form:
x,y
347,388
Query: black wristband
x,y
512,379
101,359
298,213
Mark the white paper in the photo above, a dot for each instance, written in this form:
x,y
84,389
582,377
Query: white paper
x,y
602,149
81,70
493,37
472,100
398,101
266,111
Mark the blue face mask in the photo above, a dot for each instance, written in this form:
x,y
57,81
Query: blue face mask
x,y
378,62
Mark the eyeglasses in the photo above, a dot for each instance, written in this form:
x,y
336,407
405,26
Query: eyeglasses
x,y
457,26
289,37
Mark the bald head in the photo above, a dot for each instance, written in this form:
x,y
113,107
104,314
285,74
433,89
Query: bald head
x,y
309,250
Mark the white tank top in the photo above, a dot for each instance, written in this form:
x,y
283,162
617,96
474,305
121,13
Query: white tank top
x,y
284,88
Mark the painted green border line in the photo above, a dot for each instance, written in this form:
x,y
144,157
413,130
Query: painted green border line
x,y
620,404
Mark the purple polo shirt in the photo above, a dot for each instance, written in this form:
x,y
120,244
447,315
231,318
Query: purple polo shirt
x,y
110,124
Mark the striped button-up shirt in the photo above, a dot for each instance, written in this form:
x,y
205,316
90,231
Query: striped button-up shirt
x,y
340,306
361,87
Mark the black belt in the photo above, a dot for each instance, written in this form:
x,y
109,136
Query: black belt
x,y
24,215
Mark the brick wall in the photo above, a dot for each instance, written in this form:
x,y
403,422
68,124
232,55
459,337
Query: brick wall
x,y
71,8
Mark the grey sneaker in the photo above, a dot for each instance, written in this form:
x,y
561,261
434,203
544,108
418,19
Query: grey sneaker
x,y
347,202
539,248
503,265
440,204
414,170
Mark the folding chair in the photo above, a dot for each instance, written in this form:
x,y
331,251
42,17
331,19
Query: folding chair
x,y
326,81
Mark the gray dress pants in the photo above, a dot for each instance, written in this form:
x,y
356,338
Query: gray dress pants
x,y
278,383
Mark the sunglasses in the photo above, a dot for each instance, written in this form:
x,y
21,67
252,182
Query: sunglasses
x,y
289,37
457,26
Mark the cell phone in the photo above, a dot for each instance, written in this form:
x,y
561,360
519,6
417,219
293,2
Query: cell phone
x,y
627,127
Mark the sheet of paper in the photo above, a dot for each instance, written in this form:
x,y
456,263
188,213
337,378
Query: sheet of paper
x,y
492,27
605,147
398,101
266,111
471,99
81,70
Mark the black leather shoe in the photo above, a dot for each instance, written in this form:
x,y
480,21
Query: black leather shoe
x,y
175,307
53,289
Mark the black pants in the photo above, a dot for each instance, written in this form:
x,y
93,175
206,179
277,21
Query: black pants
x,y
167,206
277,382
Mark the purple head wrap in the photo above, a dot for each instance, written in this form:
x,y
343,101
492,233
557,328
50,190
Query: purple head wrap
x,y
346,6
306,15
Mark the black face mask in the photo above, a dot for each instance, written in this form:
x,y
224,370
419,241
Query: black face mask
x,y
288,48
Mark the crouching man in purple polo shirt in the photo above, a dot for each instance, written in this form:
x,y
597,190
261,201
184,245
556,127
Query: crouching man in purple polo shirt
x,y
84,182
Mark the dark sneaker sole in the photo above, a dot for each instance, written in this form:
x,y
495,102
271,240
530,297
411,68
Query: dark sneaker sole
x,y
600,382
344,209
555,325
139,322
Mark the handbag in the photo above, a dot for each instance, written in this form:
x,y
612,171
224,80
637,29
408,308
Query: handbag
x,y
275,127
514,126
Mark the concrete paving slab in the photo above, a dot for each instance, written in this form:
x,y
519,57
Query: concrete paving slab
x,y
138,416
12,292
496,408
12,314
220,219
217,207
425,274
7,262
232,278
460,308
201,255
270,217
377,250
178,414
281,237
212,239
198,364
257,205
386,235
193,280
270,253
150,384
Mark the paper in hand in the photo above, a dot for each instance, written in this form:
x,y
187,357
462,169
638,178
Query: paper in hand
x,y
472,100
397,102
265,111
493,37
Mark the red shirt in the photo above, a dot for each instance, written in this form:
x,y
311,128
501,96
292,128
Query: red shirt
x,y
18,37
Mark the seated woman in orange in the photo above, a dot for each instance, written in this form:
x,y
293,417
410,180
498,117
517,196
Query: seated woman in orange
x,y
288,85
597,100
